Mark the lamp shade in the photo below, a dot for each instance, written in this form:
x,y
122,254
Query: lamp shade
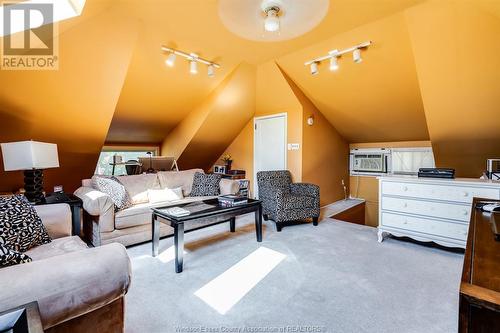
x,y
27,155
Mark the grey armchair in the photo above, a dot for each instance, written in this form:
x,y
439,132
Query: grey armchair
x,y
284,201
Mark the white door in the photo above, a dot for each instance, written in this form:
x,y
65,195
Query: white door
x,y
269,144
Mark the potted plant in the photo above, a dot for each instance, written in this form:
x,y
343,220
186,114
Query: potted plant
x,y
228,160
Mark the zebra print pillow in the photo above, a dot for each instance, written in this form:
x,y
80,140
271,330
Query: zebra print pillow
x,y
20,226
10,257
205,185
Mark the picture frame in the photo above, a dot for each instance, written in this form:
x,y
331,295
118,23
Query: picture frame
x,y
220,169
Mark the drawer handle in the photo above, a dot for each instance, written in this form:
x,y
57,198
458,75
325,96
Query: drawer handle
x,y
466,194
405,222
405,188
466,212
405,205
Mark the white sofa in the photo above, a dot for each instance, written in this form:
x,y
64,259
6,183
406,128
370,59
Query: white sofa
x,y
102,225
77,289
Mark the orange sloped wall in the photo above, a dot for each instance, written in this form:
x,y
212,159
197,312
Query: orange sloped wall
x,y
455,45
72,106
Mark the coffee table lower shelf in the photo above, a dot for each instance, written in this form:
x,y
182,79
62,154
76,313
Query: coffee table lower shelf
x,y
199,220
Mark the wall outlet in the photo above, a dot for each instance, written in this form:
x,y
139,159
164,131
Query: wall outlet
x,y
293,146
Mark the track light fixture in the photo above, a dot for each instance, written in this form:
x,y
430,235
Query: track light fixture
x,y
193,59
314,68
356,56
334,63
210,70
170,60
334,55
193,67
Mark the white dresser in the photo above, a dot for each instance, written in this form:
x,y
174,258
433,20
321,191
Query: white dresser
x,y
427,209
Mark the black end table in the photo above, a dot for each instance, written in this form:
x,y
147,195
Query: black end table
x,y
22,319
204,214
75,204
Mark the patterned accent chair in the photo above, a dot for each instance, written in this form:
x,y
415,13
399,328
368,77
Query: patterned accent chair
x,y
284,201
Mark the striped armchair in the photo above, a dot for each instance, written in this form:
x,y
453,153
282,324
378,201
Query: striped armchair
x,y
284,201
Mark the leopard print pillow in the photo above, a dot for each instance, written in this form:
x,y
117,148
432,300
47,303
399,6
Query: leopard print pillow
x,y
115,189
20,226
10,257
205,185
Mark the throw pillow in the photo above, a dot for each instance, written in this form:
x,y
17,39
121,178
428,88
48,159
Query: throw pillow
x,y
166,194
205,185
10,257
116,191
20,226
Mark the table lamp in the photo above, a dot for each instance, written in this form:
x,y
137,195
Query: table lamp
x,y
32,157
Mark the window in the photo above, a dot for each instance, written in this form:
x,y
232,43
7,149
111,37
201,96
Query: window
x,y
104,164
409,160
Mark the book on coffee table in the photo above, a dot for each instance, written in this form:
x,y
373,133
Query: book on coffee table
x,y
230,200
177,211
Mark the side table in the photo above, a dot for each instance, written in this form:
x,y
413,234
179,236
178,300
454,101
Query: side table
x,y
75,204
23,319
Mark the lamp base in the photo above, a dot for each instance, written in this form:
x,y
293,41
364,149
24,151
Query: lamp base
x,y
33,184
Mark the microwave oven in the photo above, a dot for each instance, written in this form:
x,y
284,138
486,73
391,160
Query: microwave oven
x,y
368,161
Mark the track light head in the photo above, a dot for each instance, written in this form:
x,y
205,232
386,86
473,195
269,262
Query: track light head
x,y
193,67
314,68
356,56
334,65
170,60
211,71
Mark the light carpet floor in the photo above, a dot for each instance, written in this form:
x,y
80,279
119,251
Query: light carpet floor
x,y
336,277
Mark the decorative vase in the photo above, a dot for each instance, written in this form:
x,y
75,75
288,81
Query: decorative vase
x,y
228,165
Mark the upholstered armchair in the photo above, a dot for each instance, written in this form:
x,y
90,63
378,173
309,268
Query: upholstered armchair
x,y
284,201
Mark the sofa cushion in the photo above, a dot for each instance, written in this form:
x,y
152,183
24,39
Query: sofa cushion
x,y
174,179
138,186
20,226
57,247
10,257
141,214
165,194
205,185
112,187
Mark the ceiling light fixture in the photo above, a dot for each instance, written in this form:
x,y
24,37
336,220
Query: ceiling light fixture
x,y
356,56
193,59
334,64
170,60
334,55
211,71
272,20
314,68
193,66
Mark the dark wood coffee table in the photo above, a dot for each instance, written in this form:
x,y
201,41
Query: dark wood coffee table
x,y
204,214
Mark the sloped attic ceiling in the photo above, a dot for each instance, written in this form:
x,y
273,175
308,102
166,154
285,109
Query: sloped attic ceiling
x,y
374,101
155,98
74,105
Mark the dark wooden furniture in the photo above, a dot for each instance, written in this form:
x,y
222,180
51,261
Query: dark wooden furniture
x,y
75,204
203,214
234,174
354,214
480,286
23,319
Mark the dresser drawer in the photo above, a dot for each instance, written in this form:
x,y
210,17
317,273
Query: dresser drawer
x,y
433,209
462,194
424,225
